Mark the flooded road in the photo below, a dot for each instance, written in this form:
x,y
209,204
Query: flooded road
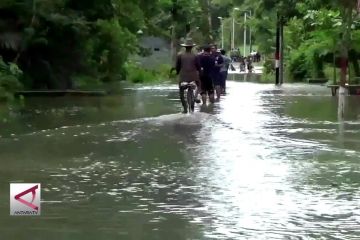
x,y
264,163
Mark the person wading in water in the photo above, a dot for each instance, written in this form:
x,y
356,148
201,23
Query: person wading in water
x,y
188,68
224,70
207,65
216,76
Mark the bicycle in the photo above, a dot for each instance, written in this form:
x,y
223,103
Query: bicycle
x,y
190,96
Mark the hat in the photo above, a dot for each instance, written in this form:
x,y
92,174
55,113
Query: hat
x,y
188,43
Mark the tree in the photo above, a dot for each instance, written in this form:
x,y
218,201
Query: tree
x,y
54,41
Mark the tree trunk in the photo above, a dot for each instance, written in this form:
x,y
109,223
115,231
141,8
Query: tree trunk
x,y
353,57
174,13
31,25
277,51
173,45
207,27
319,67
281,67
356,67
344,56
345,43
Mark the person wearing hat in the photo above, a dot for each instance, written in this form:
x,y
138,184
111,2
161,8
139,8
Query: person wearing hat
x,y
188,68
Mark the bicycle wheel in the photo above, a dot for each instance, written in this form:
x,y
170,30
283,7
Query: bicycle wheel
x,y
190,99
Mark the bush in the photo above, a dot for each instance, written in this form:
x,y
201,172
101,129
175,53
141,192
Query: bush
x,y
298,66
136,74
267,77
87,82
269,66
164,72
115,44
9,80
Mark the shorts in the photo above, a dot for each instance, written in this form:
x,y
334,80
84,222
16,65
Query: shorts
x,y
206,85
224,75
216,78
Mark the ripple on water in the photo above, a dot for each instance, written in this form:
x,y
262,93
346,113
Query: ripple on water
x,y
247,169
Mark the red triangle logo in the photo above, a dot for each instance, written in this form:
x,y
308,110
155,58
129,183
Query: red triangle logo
x,y
29,204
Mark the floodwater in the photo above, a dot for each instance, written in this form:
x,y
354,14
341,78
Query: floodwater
x,y
265,163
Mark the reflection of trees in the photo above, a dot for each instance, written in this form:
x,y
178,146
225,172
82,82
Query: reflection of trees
x,y
341,114
332,170
312,108
103,174
328,169
49,113
323,117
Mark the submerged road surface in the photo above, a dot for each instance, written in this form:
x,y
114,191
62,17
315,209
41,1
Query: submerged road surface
x,y
264,163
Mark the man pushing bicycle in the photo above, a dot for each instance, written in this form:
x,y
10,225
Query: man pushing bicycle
x,y
188,68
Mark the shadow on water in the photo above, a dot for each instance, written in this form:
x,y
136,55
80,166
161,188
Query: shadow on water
x,y
264,163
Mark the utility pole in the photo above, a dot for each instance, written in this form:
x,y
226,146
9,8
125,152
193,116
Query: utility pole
x,y
233,33
173,47
188,30
277,52
245,34
173,33
222,31
250,33
222,34
233,28
281,67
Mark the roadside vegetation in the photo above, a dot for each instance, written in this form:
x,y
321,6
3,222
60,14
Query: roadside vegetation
x,y
86,44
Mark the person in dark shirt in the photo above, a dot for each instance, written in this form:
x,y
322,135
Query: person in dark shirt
x,y
216,75
188,68
207,65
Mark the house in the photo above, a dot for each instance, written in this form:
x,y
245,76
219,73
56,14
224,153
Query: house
x,y
158,52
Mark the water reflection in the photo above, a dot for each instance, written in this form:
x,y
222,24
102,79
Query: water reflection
x,y
261,164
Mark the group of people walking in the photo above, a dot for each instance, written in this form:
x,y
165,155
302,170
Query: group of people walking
x,y
208,69
246,63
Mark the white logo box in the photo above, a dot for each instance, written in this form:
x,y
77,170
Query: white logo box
x,y
25,199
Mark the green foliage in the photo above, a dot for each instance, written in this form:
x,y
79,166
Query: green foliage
x,y
164,71
314,31
310,40
269,66
298,66
265,33
63,41
295,33
9,80
86,82
115,45
83,43
355,40
137,74
267,77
